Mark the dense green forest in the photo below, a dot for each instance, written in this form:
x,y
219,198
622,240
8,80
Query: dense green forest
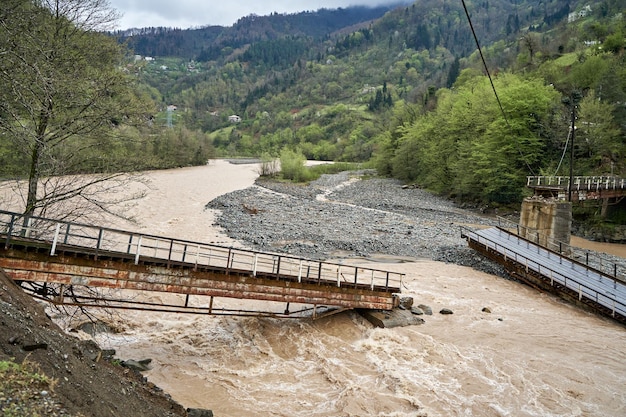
x,y
410,93
403,89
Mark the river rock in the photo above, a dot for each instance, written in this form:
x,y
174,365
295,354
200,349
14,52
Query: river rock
x,y
29,347
417,311
108,354
406,302
426,309
446,311
390,319
140,365
486,310
199,412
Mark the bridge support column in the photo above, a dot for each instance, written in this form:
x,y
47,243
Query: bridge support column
x,y
547,222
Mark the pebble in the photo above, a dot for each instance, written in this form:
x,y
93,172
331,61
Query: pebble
x,y
341,216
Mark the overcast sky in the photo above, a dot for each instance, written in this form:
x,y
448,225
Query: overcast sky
x,y
194,13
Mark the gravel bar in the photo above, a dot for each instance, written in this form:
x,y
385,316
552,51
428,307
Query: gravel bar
x,y
350,215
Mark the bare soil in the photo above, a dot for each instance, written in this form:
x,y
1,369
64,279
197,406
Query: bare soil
x,y
80,381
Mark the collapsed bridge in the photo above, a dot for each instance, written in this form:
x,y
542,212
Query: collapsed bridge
x,y
62,261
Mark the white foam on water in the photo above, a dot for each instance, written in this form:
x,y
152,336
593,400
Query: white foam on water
x,y
532,356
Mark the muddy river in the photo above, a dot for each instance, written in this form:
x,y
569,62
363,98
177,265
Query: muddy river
x,y
533,355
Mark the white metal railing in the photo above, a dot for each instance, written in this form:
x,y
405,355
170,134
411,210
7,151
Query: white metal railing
x,y
589,258
612,300
144,247
578,183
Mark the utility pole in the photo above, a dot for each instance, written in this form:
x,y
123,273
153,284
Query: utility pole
x,y
571,155
572,101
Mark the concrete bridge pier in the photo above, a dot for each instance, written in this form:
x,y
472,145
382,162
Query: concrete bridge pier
x,y
547,222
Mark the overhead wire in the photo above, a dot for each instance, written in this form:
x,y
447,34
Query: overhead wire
x,y
493,87
569,135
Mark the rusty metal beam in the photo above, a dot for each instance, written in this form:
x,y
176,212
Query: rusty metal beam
x,y
72,255
39,266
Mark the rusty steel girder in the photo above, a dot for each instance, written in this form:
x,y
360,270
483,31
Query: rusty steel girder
x,y
121,274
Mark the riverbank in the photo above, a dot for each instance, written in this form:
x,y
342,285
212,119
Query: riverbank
x,y
344,216
528,354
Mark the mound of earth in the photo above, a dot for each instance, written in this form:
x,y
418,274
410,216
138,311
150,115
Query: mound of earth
x,y
71,377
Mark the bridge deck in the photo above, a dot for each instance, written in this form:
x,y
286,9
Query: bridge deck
x,y
582,188
48,251
563,275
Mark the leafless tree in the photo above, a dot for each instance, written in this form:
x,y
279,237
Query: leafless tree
x,y
62,96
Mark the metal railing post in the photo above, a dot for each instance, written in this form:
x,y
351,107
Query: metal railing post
x,y
99,243
7,242
55,239
278,268
138,250
319,273
230,250
169,255
67,234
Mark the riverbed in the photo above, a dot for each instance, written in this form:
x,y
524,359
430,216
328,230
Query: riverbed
x,y
527,354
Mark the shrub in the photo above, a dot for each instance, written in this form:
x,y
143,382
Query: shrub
x,y
292,166
269,166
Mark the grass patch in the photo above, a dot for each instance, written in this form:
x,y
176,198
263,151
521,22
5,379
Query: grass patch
x,y
21,387
307,174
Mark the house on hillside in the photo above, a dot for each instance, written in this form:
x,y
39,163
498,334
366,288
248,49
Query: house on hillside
x,y
574,16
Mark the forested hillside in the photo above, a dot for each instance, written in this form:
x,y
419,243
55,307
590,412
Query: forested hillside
x,y
410,93
215,42
403,89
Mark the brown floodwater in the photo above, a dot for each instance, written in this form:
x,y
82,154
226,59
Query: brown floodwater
x,y
533,355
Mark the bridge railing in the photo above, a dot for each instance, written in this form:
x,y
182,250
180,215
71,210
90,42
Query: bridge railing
x,y
139,248
597,293
589,258
606,182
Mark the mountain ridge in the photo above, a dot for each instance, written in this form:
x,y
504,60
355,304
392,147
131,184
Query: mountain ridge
x,y
189,43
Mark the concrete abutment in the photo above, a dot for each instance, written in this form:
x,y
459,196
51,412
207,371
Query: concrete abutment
x,y
547,222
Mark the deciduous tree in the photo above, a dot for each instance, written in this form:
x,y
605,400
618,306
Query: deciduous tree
x,y
62,95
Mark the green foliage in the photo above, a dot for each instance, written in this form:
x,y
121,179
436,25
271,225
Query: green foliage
x,y
277,53
601,150
297,86
61,90
292,166
381,100
299,172
326,99
614,43
20,385
467,148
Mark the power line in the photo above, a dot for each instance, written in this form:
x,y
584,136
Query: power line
x,y
493,87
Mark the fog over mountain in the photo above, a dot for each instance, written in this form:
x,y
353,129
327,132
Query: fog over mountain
x,y
197,13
